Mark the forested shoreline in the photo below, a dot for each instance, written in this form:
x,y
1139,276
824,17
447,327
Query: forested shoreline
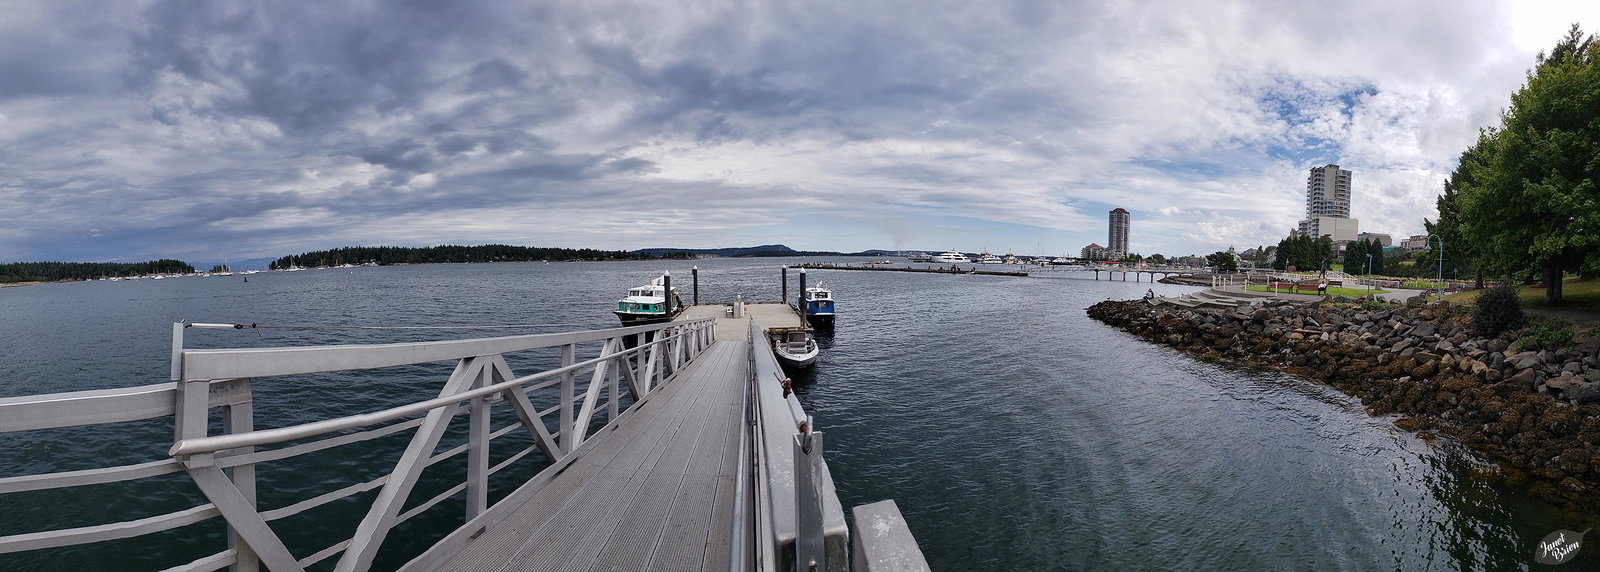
x,y
383,255
54,271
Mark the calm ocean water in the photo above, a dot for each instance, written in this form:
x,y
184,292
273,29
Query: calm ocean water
x,y
1014,432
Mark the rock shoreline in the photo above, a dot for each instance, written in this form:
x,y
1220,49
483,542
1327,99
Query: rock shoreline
x,y
1534,410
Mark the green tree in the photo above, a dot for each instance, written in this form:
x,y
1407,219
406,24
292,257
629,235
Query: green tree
x,y
1528,198
1375,249
1221,260
1157,259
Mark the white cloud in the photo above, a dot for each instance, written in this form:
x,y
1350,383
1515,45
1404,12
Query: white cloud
x,y
172,127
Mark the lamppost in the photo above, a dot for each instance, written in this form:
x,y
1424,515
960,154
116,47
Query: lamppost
x,y
1369,274
1440,276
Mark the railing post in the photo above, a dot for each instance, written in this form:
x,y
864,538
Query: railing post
x,y
809,547
569,354
240,418
616,366
478,449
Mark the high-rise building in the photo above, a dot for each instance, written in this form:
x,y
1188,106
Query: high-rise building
x,y
1117,236
1328,204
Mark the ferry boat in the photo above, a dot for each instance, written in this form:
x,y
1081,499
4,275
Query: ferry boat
x,y
647,304
819,306
920,257
951,257
794,347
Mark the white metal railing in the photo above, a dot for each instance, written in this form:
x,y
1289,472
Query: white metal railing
x,y
799,521
223,466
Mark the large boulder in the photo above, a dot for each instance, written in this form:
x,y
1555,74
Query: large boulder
x,y
1586,392
1526,378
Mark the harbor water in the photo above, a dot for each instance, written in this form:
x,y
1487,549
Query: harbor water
x,y
1014,432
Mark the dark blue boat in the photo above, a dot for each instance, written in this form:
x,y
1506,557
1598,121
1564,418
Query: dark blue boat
x,y
819,307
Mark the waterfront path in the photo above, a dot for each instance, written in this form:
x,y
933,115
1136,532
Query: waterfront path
x,y
655,493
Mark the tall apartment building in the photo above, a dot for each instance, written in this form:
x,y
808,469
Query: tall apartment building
x,y
1117,236
1328,204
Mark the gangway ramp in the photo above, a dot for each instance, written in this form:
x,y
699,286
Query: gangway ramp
x,y
655,493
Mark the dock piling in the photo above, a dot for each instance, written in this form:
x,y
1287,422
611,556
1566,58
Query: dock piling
x,y
694,274
802,298
666,290
785,280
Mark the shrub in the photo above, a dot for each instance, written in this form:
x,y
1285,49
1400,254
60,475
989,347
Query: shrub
x,y
1552,334
1496,310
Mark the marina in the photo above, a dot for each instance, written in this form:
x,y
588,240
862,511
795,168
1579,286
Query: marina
x,y
1079,457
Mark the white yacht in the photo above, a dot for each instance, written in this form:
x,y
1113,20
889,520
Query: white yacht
x,y
919,257
951,257
987,258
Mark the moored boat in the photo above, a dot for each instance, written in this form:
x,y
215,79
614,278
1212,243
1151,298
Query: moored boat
x,y
819,306
951,257
794,347
648,304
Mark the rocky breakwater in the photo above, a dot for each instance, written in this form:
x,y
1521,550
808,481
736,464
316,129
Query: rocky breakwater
x,y
1535,410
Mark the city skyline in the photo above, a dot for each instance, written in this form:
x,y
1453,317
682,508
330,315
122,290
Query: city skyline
x,y
215,132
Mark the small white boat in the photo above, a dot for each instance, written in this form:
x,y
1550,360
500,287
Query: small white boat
x,y
794,347
951,257
987,258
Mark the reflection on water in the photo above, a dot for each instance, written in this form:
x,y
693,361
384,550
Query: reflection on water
x,y
1013,432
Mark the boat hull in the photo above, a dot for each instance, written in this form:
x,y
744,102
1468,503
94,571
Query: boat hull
x,y
796,360
820,320
633,319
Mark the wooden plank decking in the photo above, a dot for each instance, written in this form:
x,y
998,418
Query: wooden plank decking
x,y
655,494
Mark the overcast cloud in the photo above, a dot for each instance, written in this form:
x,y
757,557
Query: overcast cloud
x,y
233,130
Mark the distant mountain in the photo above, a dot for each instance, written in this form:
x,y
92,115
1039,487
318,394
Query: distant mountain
x,y
764,250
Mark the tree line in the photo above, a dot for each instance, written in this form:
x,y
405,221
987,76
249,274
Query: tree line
x,y
453,253
53,271
1304,253
1523,202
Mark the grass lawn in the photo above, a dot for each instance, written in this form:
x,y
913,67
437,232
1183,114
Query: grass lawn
x,y
1332,291
1577,295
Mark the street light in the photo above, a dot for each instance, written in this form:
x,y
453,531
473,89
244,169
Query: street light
x,y
1369,274
1440,295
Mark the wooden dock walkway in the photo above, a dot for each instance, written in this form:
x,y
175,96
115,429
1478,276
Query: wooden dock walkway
x,y
655,493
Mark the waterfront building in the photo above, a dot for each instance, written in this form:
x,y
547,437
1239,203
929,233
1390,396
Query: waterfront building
x,y
1378,236
1416,242
1094,252
1117,236
1328,204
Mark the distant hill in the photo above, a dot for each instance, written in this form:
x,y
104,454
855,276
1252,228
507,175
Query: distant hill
x,y
764,250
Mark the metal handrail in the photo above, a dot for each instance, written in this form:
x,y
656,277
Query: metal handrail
x,y
481,373
741,547
201,445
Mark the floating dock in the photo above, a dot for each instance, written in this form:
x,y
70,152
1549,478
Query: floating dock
x,y
957,270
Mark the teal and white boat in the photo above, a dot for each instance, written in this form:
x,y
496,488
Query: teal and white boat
x,y
648,304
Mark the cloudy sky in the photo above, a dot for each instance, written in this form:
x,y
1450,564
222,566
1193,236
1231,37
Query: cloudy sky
x,y
232,130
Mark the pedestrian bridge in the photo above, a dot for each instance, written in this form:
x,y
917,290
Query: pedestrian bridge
x,y
676,446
